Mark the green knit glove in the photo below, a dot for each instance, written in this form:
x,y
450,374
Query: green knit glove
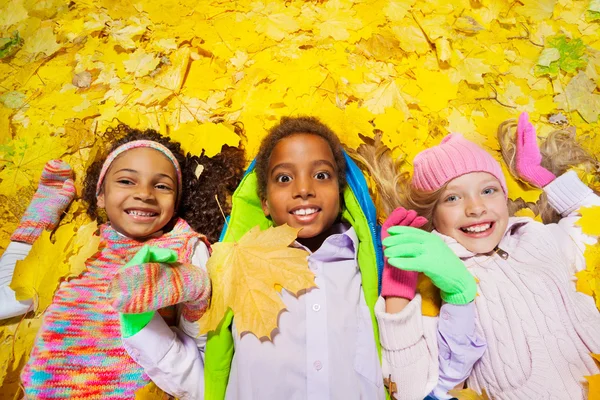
x,y
412,249
133,323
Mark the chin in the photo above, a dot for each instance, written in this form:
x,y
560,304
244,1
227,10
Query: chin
x,y
480,248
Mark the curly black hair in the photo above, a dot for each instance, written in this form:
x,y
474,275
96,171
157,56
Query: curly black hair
x,y
203,178
289,126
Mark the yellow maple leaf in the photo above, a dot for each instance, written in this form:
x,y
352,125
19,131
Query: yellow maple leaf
x,y
588,280
141,63
37,276
52,259
594,387
23,161
151,392
468,394
430,297
86,244
589,220
43,41
247,274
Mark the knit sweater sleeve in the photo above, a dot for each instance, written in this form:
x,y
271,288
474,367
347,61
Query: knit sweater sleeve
x,y
9,305
409,349
566,194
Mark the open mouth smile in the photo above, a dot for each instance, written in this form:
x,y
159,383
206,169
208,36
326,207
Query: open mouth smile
x,y
141,215
305,214
479,230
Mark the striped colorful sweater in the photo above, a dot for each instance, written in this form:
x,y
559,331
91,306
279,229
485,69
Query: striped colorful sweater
x,y
78,353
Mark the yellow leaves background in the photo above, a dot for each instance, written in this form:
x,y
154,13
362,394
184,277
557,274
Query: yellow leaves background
x,y
202,72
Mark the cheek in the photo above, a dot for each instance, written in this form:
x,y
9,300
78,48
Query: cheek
x,y
442,221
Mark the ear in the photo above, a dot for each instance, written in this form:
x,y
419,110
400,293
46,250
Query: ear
x,y
100,200
265,207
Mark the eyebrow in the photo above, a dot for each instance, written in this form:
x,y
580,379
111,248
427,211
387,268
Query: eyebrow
x,y
315,163
136,172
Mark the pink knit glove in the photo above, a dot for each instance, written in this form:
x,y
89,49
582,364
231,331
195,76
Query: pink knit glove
x,y
55,191
396,282
528,155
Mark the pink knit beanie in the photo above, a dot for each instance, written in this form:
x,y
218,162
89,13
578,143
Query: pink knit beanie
x,y
454,157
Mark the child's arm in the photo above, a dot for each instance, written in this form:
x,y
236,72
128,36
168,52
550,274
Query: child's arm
x,y
566,194
9,306
169,357
409,350
459,346
54,193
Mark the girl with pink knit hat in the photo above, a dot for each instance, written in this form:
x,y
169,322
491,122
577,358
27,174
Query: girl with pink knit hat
x,y
540,331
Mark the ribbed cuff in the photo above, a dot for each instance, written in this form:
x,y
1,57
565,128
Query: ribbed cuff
x,y
539,176
27,234
465,296
401,330
566,193
398,283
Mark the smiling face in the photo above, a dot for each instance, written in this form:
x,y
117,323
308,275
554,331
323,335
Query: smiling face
x,y
302,185
139,192
473,210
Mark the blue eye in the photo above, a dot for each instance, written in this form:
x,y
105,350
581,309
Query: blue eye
x,y
283,178
322,175
489,191
451,198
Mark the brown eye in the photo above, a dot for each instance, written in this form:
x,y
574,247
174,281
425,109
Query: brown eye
x,y
322,175
283,178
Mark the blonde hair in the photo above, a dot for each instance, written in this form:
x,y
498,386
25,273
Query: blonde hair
x,y
560,151
393,187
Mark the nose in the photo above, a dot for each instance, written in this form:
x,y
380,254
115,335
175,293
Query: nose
x,y
304,187
144,192
475,207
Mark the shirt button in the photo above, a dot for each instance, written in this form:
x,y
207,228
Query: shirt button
x,y
316,307
318,365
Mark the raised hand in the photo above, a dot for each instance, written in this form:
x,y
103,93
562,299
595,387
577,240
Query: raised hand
x,y
412,249
153,279
396,282
528,155
55,191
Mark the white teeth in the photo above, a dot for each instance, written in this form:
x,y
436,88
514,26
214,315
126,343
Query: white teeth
x,y
140,213
478,228
305,211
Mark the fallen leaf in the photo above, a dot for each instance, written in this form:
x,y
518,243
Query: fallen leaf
x,y
247,274
579,96
38,275
589,220
468,394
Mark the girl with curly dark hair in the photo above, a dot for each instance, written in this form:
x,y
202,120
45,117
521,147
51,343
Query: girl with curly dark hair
x,y
145,191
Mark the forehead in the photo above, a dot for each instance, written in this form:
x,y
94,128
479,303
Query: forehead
x,y
144,159
301,148
472,179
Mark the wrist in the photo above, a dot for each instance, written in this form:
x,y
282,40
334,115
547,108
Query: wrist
x,y
398,283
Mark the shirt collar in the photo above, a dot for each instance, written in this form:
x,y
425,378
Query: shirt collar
x,y
341,244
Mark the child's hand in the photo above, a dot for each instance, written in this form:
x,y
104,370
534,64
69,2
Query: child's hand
x,y
56,190
396,282
528,155
412,249
153,280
